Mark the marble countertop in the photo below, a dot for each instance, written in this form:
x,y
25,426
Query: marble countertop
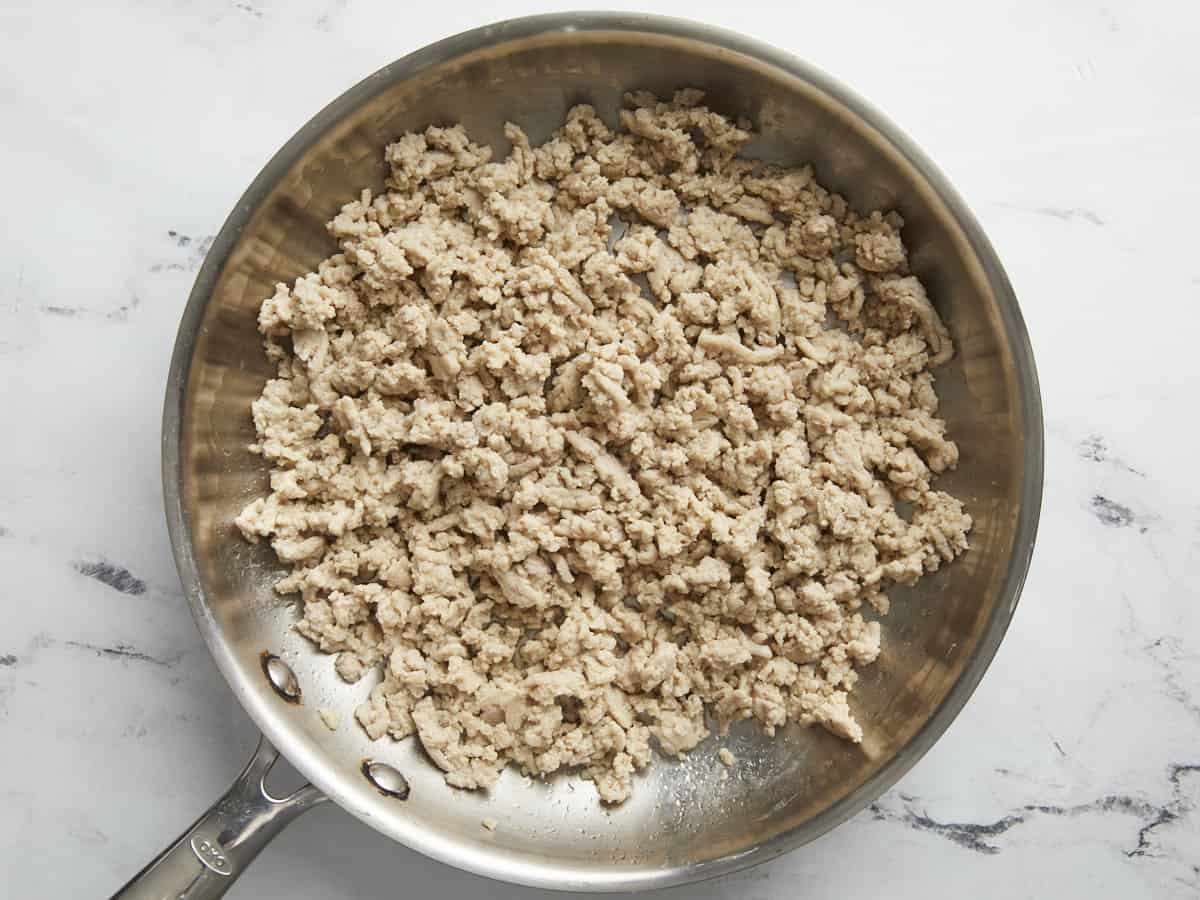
x,y
1071,129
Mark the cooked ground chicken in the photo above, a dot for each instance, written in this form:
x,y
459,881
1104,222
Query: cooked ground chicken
x,y
330,718
580,445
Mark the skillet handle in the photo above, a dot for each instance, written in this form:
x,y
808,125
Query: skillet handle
x,y
209,856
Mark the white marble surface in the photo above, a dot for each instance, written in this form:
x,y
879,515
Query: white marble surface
x,y
130,129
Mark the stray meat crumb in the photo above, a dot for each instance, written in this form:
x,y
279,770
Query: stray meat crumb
x,y
726,756
331,718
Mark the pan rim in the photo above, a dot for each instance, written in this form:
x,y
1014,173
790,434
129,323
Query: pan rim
x,y
1030,408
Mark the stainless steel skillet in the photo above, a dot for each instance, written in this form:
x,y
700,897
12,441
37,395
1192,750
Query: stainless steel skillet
x,y
684,821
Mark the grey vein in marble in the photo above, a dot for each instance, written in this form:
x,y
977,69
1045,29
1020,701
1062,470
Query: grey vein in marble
x,y
1169,813
1094,449
67,312
1068,214
116,577
1167,652
1061,213
966,835
978,837
324,21
195,249
1112,513
120,314
125,652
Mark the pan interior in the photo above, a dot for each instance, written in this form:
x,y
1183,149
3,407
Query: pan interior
x,y
685,820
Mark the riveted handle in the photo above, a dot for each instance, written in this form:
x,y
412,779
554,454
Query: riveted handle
x,y
209,856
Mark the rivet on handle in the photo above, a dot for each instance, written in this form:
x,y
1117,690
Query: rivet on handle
x,y
386,779
283,679
210,852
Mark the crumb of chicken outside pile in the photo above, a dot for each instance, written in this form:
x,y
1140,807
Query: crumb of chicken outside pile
x,y
331,718
566,446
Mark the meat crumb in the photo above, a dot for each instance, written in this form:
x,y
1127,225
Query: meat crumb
x,y
330,718
726,757
576,446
